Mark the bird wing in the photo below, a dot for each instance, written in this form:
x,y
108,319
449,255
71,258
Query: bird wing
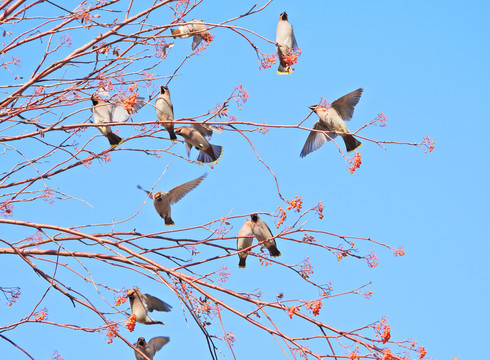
x,y
316,139
152,303
120,114
157,343
267,226
295,44
196,40
206,129
345,105
180,191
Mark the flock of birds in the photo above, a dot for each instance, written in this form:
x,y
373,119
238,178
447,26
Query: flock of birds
x,y
331,123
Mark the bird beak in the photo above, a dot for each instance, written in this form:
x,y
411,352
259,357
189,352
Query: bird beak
x,y
312,107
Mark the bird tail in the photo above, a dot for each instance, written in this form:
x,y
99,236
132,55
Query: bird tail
x,y
139,187
351,143
273,251
169,221
284,70
242,262
170,129
114,140
154,322
211,155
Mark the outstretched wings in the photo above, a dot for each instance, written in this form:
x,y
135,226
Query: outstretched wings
x,y
345,105
180,191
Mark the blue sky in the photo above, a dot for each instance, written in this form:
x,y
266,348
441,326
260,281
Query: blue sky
x,y
424,64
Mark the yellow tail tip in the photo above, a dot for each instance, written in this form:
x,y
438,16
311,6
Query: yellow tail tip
x,y
360,144
170,224
241,267
119,143
220,156
284,73
277,255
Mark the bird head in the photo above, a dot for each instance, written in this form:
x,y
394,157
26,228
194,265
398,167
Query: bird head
x,y
254,217
179,130
284,16
163,89
320,110
141,341
158,196
131,293
95,99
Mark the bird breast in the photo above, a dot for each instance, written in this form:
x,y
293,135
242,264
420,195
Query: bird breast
x,y
163,205
101,114
333,121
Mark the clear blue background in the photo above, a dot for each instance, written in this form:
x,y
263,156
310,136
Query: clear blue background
x,y
424,64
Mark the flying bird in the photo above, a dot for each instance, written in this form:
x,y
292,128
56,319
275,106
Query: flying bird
x,y
195,136
141,303
262,232
163,200
195,28
149,348
333,120
105,111
285,43
244,240
165,111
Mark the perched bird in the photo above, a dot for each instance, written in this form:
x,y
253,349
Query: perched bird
x,y
333,120
262,232
195,28
141,303
195,136
151,347
163,200
105,111
285,43
244,240
165,111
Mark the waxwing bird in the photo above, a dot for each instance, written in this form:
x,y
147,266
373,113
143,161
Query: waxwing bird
x,y
333,120
285,43
165,111
163,200
244,240
262,232
141,303
105,111
208,153
151,347
195,28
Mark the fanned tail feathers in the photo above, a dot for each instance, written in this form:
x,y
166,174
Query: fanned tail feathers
x,y
211,155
